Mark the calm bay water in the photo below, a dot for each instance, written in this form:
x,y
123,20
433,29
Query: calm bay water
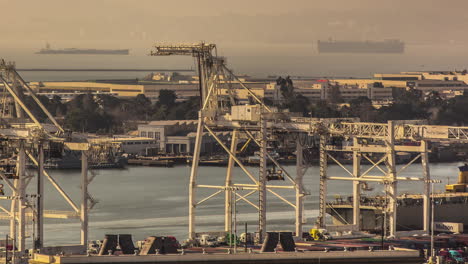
x,y
146,201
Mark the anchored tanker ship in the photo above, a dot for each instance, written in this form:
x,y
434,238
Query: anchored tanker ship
x,y
48,50
336,46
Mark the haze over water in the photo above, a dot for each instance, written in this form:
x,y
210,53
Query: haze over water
x,y
260,38
305,61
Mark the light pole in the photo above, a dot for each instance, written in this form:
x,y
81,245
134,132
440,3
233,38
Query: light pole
x,y
432,216
384,206
235,220
233,227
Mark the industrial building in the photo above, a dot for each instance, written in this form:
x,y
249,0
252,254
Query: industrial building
x,y
131,88
425,75
378,88
150,90
175,136
316,90
66,97
130,145
447,88
447,83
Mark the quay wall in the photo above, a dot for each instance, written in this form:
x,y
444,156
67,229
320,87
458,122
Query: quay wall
x,y
349,257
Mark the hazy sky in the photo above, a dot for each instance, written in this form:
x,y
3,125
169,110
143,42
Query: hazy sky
x,y
132,22
239,27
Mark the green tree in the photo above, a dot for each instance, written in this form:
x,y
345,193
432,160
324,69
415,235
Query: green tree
x,y
362,107
142,107
287,91
56,107
399,111
167,97
300,104
88,113
335,94
161,113
322,109
404,96
454,112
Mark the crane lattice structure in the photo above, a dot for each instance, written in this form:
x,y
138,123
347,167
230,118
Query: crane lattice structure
x,y
386,139
23,142
214,75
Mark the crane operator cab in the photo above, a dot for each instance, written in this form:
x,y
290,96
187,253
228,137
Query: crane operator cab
x,y
462,184
274,175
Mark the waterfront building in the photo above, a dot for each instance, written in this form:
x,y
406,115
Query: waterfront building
x,y
131,88
177,136
379,88
130,145
447,83
427,75
316,90
66,97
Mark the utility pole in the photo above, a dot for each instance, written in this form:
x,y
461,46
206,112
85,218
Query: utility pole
x,y
300,171
246,237
392,177
228,183
356,185
235,222
262,181
84,199
427,180
431,182
39,243
432,222
20,185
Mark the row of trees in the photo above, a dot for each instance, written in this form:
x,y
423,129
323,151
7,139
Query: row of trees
x,y
109,114
408,105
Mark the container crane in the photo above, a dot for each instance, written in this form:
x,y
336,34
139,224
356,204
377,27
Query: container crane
x,y
259,123
27,141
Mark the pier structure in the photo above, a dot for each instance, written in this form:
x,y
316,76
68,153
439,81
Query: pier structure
x,y
385,140
403,256
22,144
264,125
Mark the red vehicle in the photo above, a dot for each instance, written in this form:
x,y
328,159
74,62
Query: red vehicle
x,y
174,241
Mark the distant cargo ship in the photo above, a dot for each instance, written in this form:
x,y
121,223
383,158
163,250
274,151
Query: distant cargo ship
x,y
48,50
386,46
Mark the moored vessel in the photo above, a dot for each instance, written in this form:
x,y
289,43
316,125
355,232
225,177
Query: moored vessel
x,y
450,206
48,50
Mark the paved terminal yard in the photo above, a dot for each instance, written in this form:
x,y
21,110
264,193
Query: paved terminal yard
x,y
350,257
405,249
331,251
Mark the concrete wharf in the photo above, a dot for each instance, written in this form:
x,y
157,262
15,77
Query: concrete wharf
x,y
379,256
